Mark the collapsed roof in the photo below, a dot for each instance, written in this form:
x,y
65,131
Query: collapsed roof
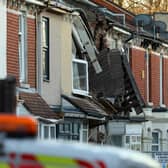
x,y
115,85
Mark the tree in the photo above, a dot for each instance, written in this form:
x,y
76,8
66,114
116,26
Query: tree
x,y
143,6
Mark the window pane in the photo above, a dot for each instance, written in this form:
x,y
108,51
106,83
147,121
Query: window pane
x,y
84,136
45,31
52,132
45,45
116,140
155,137
61,127
75,137
127,139
46,132
45,58
133,138
79,76
155,148
75,128
67,127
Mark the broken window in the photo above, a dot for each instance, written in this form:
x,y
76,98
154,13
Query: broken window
x,y
84,41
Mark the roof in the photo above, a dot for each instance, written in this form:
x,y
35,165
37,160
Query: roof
x,y
37,106
87,105
115,8
115,81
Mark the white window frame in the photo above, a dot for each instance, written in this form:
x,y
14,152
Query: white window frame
x,y
156,144
132,144
78,91
46,49
49,126
82,130
23,47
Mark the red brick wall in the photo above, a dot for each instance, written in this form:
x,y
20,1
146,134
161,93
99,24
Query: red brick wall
x,y
154,79
138,65
31,37
165,81
12,45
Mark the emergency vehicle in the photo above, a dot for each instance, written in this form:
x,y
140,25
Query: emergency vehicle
x,y
21,149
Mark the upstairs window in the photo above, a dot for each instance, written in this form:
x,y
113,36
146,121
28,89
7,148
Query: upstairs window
x,y
23,47
45,48
80,77
80,70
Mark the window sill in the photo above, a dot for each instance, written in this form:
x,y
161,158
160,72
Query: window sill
x,y
25,85
80,92
46,80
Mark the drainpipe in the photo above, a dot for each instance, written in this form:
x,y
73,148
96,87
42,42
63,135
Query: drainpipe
x,y
161,78
147,75
3,34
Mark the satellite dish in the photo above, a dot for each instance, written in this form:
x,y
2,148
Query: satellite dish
x,y
142,20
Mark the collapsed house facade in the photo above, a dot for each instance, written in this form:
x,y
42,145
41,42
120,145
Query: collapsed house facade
x,y
116,28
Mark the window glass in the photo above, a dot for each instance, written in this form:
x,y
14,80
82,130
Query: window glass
x,y
52,132
66,127
85,136
75,128
61,127
46,132
69,131
155,148
45,31
133,142
79,76
155,141
23,47
117,140
155,137
127,139
45,47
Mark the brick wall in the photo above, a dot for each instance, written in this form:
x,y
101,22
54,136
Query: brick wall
x,y
165,81
154,79
138,65
12,45
13,48
31,37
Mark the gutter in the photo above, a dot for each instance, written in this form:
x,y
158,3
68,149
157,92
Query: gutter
x,y
35,2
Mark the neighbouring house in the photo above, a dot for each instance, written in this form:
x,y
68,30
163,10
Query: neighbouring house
x,y
114,27
63,71
21,62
